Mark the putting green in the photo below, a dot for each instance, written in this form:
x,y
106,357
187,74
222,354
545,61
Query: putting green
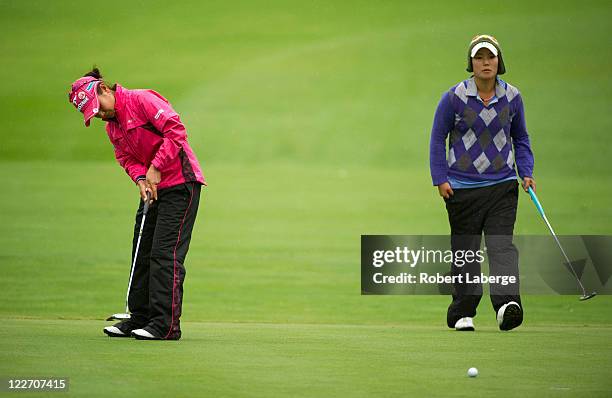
x,y
305,360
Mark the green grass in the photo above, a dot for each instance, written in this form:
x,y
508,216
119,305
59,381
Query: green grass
x,y
304,360
272,303
312,122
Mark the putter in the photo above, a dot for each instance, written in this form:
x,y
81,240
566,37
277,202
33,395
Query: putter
x,y
126,315
584,296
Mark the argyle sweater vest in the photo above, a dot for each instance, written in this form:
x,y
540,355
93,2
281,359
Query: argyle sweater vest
x,y
480,144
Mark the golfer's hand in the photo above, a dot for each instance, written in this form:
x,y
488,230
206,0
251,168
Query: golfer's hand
x,y
153,178
529,182
445,190
142,186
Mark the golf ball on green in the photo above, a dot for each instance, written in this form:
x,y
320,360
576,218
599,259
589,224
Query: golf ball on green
x,y
472,372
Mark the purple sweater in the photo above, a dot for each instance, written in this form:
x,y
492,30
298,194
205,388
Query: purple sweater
x,y
482,137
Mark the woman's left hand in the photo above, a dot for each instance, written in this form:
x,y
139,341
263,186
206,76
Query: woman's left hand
x,y
153,178
529,182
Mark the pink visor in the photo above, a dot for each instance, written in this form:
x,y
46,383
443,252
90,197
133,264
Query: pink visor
x,y
83,96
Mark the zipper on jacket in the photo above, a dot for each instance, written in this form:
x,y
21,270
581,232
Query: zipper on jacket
x,y
130,144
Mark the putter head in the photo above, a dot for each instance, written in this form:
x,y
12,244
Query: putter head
x,y
118,317
588,296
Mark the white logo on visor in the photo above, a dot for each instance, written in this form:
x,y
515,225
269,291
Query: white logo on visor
x,y
82,103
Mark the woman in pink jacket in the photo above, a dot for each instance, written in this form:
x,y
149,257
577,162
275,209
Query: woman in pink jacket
x,y
150,143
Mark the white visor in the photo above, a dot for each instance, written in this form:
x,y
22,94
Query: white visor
x,y
483,44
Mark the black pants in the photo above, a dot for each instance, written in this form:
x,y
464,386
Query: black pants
x,y
156,295
471,212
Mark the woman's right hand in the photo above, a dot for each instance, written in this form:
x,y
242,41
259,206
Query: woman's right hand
x,y
142,186
445,190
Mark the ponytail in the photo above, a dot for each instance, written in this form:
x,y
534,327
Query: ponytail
x,y
95,73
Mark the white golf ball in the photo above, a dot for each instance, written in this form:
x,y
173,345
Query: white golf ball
x,y
472,372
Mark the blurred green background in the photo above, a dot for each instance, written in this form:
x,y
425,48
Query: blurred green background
x,y
311,120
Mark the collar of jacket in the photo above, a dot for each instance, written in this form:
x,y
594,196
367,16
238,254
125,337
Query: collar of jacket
x,y
472,90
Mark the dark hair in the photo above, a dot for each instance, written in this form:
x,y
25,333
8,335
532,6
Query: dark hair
x,y
95,72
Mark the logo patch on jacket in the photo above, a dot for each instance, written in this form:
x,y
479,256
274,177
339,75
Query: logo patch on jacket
x,y
158,114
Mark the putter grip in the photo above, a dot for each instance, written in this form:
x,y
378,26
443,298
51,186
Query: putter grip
x,y
146,204
536,201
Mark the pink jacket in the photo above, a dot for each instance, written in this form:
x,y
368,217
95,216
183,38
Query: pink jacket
x,y
146,131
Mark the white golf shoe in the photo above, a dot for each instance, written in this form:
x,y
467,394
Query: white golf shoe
x,y
122,329
465,324
143,334
509,316
113,331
